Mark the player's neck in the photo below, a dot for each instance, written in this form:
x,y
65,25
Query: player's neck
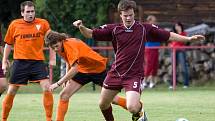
x,y
129,27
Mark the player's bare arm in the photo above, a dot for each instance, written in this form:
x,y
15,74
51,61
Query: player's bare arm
x,y
67,69
177,37
71,73
7,50
84,30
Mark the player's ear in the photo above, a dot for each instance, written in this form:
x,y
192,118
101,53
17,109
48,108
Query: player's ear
x,y
22,13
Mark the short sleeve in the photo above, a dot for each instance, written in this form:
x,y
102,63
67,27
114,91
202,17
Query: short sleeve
x,y
9,37
104,33
154,33
46,25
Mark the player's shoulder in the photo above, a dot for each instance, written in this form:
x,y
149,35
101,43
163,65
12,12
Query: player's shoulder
x,y
40,20
16,21
149,27
109,26
72,40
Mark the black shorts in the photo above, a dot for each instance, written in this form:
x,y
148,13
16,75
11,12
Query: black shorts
x,y
84,78
28,70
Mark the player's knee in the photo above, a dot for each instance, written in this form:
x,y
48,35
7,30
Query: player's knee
x,y
12,91
103,105
133,108
45,84
64,96
3,88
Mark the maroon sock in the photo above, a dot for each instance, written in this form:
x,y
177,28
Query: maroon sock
x,y
108,114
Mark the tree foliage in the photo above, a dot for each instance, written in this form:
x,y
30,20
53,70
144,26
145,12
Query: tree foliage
x,y
10,10
61,13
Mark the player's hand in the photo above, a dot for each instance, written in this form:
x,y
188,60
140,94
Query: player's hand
x,y
5,66
53,87
197,38
65,84
77,23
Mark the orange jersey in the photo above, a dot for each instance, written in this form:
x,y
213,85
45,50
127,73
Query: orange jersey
x,y
27,38
88,60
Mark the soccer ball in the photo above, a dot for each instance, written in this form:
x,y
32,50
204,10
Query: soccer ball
x,y
182,119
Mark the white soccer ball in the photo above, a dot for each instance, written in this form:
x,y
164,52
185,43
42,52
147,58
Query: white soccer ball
x,y
182,119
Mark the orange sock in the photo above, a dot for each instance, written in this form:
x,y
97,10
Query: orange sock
x,y
62,109
48,104
6,106
122,102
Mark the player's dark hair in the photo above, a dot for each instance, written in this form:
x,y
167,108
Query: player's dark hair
x,y
26,3
179,24
126,5
52,37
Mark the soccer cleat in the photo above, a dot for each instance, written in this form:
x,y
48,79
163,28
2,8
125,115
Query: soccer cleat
x,y
151,85
141,116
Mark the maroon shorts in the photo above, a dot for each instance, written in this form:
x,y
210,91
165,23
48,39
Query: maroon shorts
x,y
151,62
117,83
1,72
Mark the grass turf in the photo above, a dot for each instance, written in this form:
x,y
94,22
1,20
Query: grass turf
x,y
161,104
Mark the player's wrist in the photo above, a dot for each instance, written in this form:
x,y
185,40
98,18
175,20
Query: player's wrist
x,y
4,60
58,84
80,26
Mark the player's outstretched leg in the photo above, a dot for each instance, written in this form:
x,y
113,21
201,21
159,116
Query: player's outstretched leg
x,y
120,101
135,106
141,116
48,99
106,98
6,106
7,102
48,104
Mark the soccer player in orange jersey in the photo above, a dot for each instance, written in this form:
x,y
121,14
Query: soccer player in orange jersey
x,y
83,66
27,37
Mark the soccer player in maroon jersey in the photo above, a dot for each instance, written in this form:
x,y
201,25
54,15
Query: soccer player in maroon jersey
x,y
128,40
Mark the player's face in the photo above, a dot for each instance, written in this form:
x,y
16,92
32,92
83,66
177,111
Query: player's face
x,y
29,13
127,17
57,47
178,28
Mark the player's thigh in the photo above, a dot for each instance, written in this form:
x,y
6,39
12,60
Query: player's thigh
x,y
12,89
133,100
20,73
132,84
3,82
45,83
99,78
38,71
71,88
107,95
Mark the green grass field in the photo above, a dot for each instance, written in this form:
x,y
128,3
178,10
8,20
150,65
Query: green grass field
x,y
161,104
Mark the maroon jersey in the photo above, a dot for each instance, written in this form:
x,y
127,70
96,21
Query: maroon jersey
x,y
128,44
